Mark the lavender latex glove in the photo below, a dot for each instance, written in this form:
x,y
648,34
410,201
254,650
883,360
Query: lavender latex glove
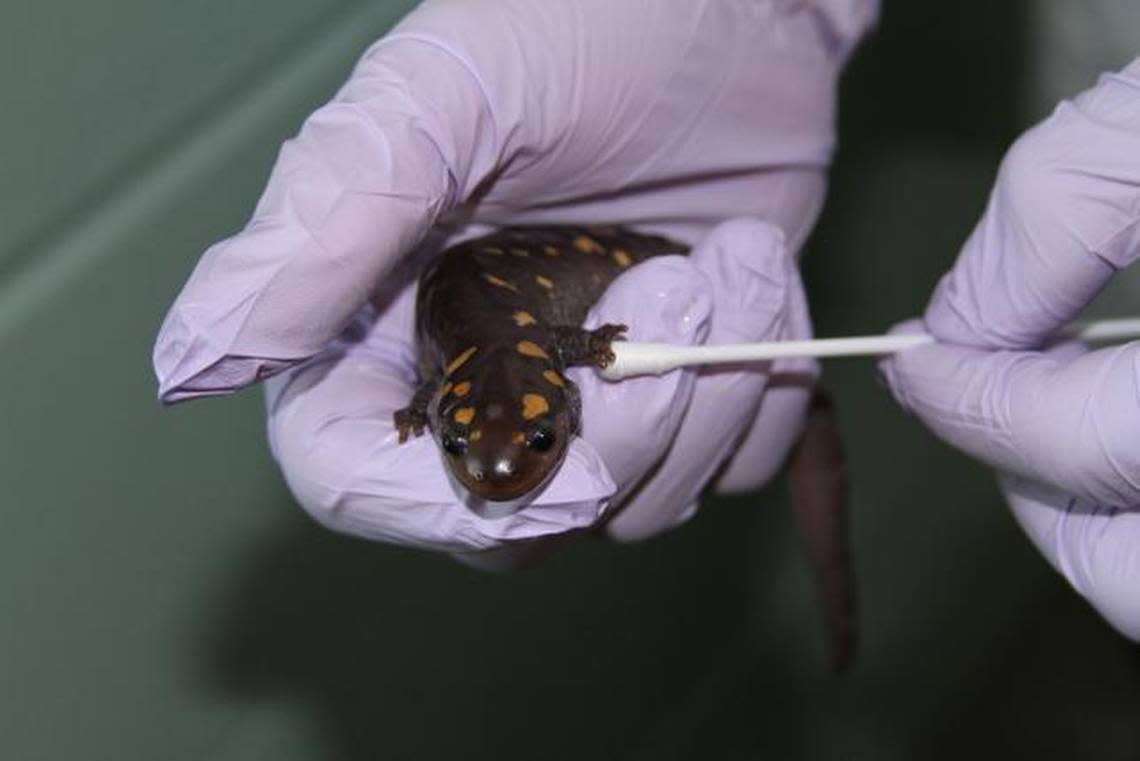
x,y
671,116
1060,425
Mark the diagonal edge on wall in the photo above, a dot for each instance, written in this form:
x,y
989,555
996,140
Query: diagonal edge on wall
x,y
282,89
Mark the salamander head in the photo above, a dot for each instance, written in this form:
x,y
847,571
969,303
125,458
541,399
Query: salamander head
x,y
504,425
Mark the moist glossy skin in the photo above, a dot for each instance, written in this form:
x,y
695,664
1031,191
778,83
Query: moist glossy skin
x,y
505,436
498,321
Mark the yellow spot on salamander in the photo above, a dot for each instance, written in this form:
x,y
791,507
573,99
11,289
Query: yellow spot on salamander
x,y
551,251
622,258
545,282
493,251
462,389
445,390
522,319
588,245
519,252
553,377
517,438
476,435
499,282
534,405
464,415
456,363
531,349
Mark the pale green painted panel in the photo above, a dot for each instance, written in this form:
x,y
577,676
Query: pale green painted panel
x,y
91,91
118,518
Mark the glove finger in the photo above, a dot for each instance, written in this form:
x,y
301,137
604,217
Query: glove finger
x,y
631,423
1097,549
1063,418
755,285
360,185
1061,221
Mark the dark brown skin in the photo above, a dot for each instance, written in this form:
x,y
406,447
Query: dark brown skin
x,y
498,321
817,480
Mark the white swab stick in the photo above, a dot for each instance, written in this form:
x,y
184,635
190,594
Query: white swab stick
x,y
1104,331
633,358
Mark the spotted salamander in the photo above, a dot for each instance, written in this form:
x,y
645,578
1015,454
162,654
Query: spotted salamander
x,y
498,320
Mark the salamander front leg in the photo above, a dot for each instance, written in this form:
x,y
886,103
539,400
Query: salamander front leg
x,y
414,417
578,346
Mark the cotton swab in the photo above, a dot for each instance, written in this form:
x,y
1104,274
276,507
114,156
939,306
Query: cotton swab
x,y
632,358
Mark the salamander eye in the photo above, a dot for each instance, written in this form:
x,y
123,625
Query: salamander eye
x,y
541,440
454,445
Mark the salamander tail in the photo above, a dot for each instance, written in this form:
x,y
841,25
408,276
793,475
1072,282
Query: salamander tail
x,y
817,481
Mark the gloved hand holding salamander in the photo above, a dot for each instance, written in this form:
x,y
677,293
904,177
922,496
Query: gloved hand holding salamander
x,y
474,115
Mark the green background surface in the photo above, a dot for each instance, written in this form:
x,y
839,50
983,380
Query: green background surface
x,y
161,597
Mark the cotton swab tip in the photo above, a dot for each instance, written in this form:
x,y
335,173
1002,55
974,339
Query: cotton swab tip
x,y
641,359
